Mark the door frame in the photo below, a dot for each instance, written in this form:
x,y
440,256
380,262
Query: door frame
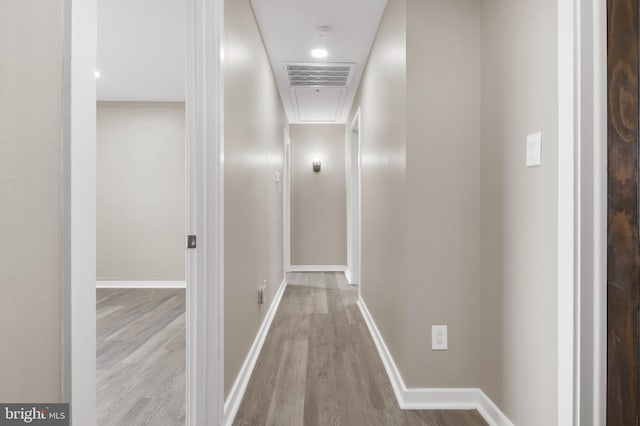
x,y
591,315
79,210
205,211
590,223
286,200
354,201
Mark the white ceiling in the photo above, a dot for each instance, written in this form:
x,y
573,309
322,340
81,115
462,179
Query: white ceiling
x,y
288,29
141,50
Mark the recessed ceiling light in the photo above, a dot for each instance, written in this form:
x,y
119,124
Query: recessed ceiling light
x,y
319,53
96,74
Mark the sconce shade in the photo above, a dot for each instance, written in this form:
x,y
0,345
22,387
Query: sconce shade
x,y
316,166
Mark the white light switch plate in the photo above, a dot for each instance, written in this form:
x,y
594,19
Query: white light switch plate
x,y
534,149
439,340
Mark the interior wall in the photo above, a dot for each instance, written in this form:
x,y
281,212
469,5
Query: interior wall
x,y
519,206
31,46
318,200
140,191
382,98
453,197
254,121
443,193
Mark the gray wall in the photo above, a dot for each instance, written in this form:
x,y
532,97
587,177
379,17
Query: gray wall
x,y
455,229
443,191
140,191
254,149
31,46
382,98
318,200
519,206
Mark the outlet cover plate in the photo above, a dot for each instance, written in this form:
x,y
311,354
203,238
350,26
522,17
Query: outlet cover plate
x,y
439,339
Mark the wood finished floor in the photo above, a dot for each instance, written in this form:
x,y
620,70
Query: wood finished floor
x,y
140,357
319,366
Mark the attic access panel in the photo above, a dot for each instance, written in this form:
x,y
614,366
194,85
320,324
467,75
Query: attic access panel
x,y
316,104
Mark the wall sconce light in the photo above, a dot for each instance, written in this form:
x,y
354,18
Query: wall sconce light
x,y
316,166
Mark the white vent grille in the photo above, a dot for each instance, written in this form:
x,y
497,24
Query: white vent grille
x,y
319,75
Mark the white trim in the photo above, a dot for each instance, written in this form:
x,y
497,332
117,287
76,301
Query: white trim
x,y
431,398
205,180
592,326
79,210
347,177
347,274
568,239
598,402
204,100
234,399
140,284
316,268
286,199
354,198
490,411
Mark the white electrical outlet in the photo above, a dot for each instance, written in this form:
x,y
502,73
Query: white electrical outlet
x,y
439,341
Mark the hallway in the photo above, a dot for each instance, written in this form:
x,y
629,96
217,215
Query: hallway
x,y
319,365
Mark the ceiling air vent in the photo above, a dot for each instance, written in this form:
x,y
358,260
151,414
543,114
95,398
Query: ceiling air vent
x,y
319,75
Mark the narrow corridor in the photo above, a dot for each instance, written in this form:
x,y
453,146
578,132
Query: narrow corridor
x,y
319,365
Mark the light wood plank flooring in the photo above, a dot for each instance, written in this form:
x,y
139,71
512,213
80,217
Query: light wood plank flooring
x,y
140,357
319,366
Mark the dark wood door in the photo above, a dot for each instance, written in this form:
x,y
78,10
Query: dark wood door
x,y
622,247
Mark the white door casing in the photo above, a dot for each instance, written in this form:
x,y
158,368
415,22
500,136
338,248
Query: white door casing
x,y
204,268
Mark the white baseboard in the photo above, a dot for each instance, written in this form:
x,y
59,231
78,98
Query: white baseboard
x,y
316,268
431,398
347,273
234,399
491,413
141,284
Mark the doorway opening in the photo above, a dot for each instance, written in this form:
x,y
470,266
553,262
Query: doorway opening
x,y
204,196
141,211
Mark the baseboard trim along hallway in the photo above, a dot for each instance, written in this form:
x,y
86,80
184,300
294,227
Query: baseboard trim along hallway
x,y
316,268
347,274
239,387
140,284
431,398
